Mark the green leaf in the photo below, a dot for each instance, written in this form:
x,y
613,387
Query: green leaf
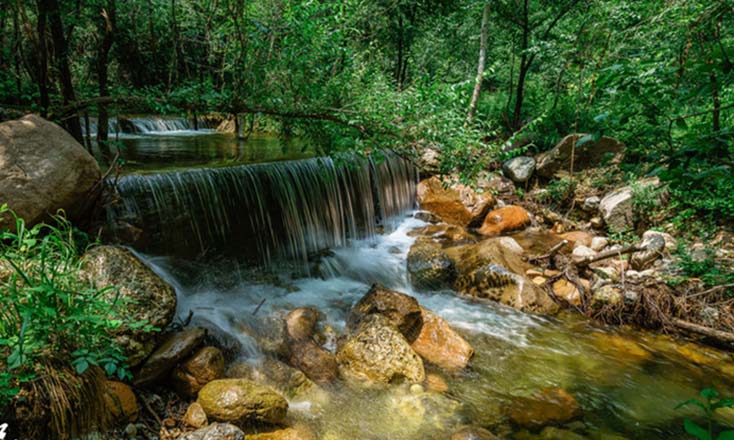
x,y
725,435
709,393
81,366
696,430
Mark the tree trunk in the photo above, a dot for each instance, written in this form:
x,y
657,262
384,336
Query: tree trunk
x,y
108,26
480,64
717,103
61,54
525,62
42,58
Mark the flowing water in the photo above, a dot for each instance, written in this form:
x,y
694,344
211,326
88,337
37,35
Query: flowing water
x,y
345,227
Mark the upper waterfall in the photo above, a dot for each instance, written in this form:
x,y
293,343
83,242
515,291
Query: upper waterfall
x,y
288,209
146,125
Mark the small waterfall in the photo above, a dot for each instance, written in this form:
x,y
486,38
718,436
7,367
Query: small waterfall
x,y
291,209
145,125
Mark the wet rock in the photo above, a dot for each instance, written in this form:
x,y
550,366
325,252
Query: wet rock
x,y
316,363
174,349
552,406
429,267
204,366
273,373
591,204
440,345
504,220
478,204
488,270
653,244
519,169
241,402
301,323
443,233
553,433
606,295
511,245
270,333
587,155
436,383
581,253
378,352
121,402
599,243
443,201
567,291
616,210
299,432
195,416
427,217
473,433
215,431
44,169
139,292
401,310
577,238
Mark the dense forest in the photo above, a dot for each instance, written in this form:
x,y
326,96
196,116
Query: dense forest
x,y
366,219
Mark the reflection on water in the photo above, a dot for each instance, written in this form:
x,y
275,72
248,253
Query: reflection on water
x,y
627,383
179,149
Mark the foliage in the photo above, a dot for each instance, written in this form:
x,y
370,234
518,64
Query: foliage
x,y
710,401
560,191
50,313
703,265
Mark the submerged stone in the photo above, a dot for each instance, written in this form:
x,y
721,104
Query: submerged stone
x,y
552,406
441,345
215,431
241,401
429,267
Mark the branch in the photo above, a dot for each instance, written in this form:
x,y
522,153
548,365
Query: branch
x,y
610,253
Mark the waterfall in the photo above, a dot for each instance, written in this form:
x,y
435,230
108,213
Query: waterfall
x,y
145,125
291,209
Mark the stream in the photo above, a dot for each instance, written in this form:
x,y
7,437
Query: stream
x,y
231,224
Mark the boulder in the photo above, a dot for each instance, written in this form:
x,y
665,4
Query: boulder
x,y
653,244
519,169
44,169
400,310
551,406
440,345
616,210
489,270
478,204
204,366
301,323
503,220
139,292
317,364
587,155
378,352
443,201
172,351
195,416
215,431
429,267
121,402
242,402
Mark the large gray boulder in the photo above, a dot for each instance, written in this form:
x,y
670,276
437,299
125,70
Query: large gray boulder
x,y
44,169
587,155
519,169
616,209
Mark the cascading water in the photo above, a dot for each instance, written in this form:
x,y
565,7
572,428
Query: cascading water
x,y
142,125
290,209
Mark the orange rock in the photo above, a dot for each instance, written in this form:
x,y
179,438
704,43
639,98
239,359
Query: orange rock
x,y
440,345
204,366
443,201
552,406
195,416
567,291
503,220
436,383
316,363
121,402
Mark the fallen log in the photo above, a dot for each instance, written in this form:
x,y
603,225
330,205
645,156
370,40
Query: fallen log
x,y
709,332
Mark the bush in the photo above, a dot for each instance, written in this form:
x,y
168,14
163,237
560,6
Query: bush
x,y
50,315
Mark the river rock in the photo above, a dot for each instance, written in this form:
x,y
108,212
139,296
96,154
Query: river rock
x,y
273,373
504,220
587,155
427,216
581,253
140,293
301,323
591,204
653,244
443,233
435,383
567,291
241,402
519,169
616,210
443,201
429,267
478,204
44,169
605,295
401,310
174,349
552,406
488,270
378,352
473,433
121,402
204,366
298,432
441,345
553,433
599,243
317,364
195,416
215,431
577,238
